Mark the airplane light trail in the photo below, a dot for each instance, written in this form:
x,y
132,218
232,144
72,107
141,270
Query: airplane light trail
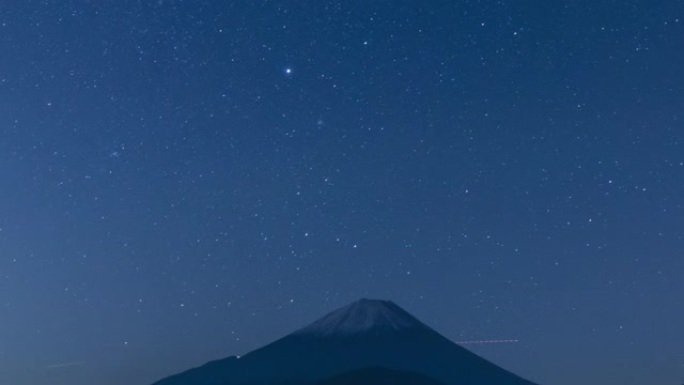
x,y
512,341
65,365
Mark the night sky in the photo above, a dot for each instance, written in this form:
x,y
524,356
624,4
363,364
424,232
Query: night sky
x,y
182,181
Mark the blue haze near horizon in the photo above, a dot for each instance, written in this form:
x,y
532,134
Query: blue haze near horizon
x,y
182,181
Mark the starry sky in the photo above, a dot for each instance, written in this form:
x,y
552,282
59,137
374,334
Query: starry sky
x,y
185,180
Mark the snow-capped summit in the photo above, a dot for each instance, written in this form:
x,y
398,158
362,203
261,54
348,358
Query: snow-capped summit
x,y
362,316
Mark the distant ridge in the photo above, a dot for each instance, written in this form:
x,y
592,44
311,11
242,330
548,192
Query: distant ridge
x,y
351,344
377,376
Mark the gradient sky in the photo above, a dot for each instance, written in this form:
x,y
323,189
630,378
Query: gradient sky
x,y
185,180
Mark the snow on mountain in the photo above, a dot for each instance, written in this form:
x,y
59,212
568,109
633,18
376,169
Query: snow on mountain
x,y
363,316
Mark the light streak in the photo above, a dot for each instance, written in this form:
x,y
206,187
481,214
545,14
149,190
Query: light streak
x,y
65,365
511,341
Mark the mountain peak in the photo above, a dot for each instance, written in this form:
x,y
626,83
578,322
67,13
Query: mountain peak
x,y
362,316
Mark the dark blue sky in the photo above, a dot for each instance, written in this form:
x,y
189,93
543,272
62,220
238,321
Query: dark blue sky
x,y
186,180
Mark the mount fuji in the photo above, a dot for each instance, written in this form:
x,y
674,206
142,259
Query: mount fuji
x,y
367,341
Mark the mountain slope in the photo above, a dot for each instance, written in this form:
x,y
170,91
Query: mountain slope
x,y
366,333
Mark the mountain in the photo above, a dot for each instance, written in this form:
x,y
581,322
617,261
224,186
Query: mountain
x,y
364,334
375,376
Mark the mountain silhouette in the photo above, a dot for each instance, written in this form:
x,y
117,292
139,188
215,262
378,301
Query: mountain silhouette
x,y
375,376
364,334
